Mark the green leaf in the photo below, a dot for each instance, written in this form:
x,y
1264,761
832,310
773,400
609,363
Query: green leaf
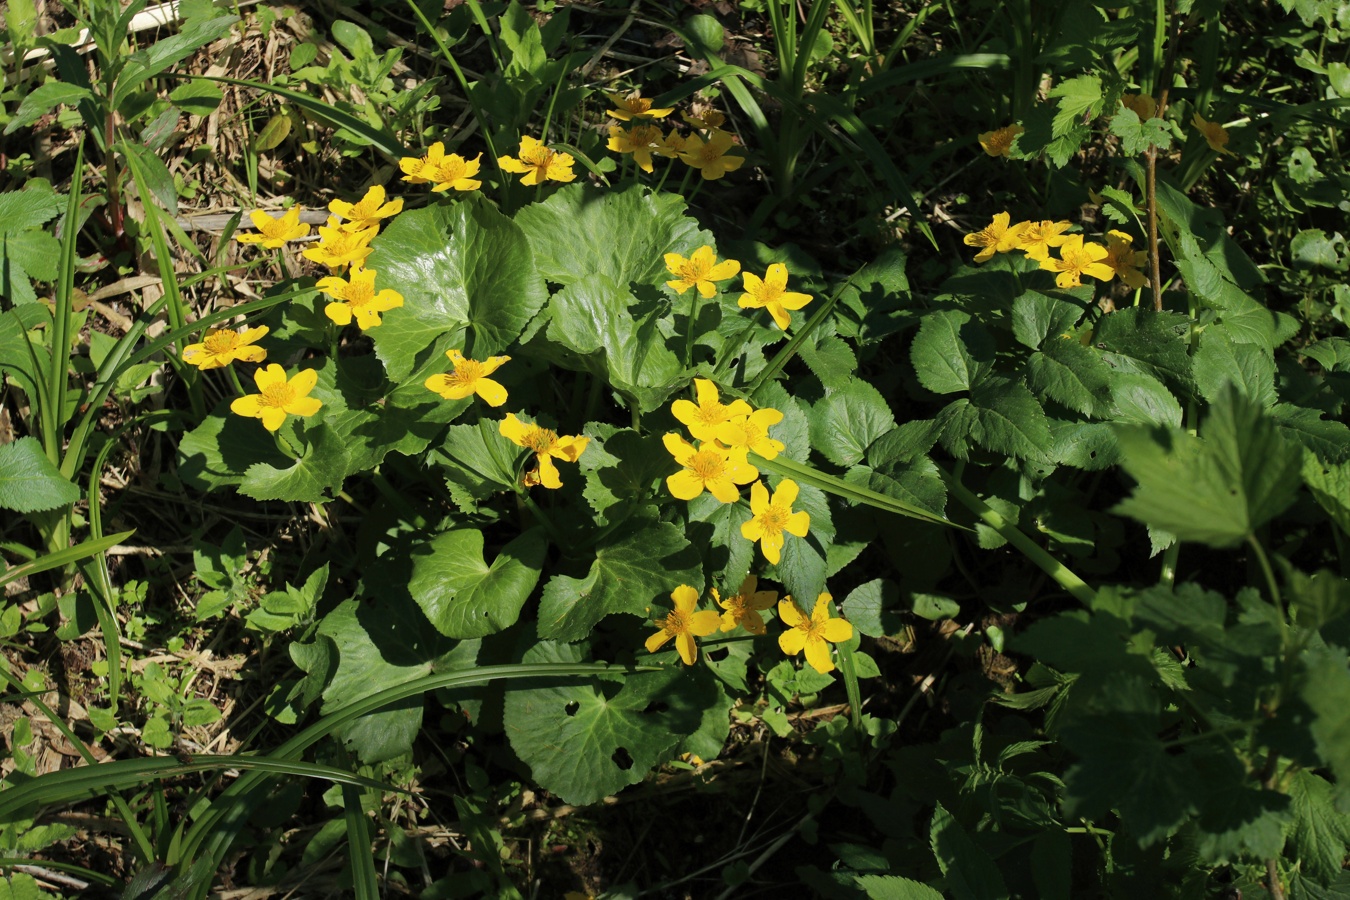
x,y
894,887
1136,136
874,608
27,209
584,742
1071,375
1001,415
455,265
951,352
846,422
1080,99
1221,361
716,526
1036,317
315,477
582,230
42,100
1083,445
970,871
152,60
1152,343
29,482
1216,489
623,471
219,451
476,462
1139,399
1326,690
199,98
1329,440
617,338
1330,484
464,597
628,575
1320,832
830,360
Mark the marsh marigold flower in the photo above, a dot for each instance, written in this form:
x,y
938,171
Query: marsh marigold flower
x,y
222,346
278,397
442,171
752,432
1124,260
641,141
999,141
706,120
700,270
710,467
1036,238
357,298
814,634
1076,260
538,163
996,238
684,624
1215,134
635,106
702,420
367,212
273,233
338,248
470,377
771,293
710,156
546,444
743,608
773,517
1142,105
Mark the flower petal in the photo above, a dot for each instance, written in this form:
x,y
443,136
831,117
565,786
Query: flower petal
x,y
513,429
657,641
790,612
304,381
704,623
818,656
493,394
798,523
684,642
269,376
272,417
684,485
249,405
792,641
685,598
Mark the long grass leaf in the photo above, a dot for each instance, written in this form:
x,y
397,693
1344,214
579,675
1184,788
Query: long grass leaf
x,y
359,851
807,474
58,364
63,557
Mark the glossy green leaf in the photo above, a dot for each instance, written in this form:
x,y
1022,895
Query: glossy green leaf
x,y
951,352
29,482
847,420
315,477
463,596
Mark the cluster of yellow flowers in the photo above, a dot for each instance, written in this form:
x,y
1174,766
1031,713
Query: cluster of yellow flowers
x,y
701,269
719,464
704,149
536,161
813,633
1076,258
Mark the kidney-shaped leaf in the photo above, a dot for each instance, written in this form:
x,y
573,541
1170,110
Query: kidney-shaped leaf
x,y
461,594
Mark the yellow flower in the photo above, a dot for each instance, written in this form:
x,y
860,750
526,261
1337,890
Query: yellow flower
x,y
635,106
751,432
814,634
710,157
641,141
710,467
538,163
1124,260
470,377
1036,238
703,419
772,518
546,444
340,248
278,398
708,119
1142,105
683,624
1215,134
772,293
700,270
222,346
999,141
367,212
997,238
1076,260
358,298
272,232
743,608
444,172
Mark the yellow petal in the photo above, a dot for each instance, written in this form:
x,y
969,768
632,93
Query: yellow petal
x,y
513,429
304,381
657,641
837,630
798,523
249,405
704,623
493,394
684,485
818,656
790,612
792,641
759,499
685,598
688,649
269,376
272,417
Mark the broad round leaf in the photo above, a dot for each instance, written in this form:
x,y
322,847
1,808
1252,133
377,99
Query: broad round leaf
x,y
461,594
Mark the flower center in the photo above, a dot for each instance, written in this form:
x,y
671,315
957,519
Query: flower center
x,y
360,292
221,341
708,465
539,157
278,395
467,372
712,414
709,153
540,440
450,170
693,272
773,519
675,623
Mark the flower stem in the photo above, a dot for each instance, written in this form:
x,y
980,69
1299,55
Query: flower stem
x,y
694,308
542,518
732,351
285,446
234,379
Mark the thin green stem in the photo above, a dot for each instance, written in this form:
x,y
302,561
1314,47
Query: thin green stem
x,y
1271,584
731,352
284,445
694,307
542,518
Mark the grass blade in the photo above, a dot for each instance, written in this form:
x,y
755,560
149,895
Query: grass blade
x,y
64,557
806,474
359,851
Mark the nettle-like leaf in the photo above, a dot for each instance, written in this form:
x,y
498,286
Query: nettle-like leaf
x,y
847,420
1137,136
463,596
1000,415
29,482
951,352
616,338
1221,361
1326,690
1320,831
582,230
1218,488
586,741
623,470
1329,440
1146,342
970,870
26,251
456,265
629,574
1072,375
1036,316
